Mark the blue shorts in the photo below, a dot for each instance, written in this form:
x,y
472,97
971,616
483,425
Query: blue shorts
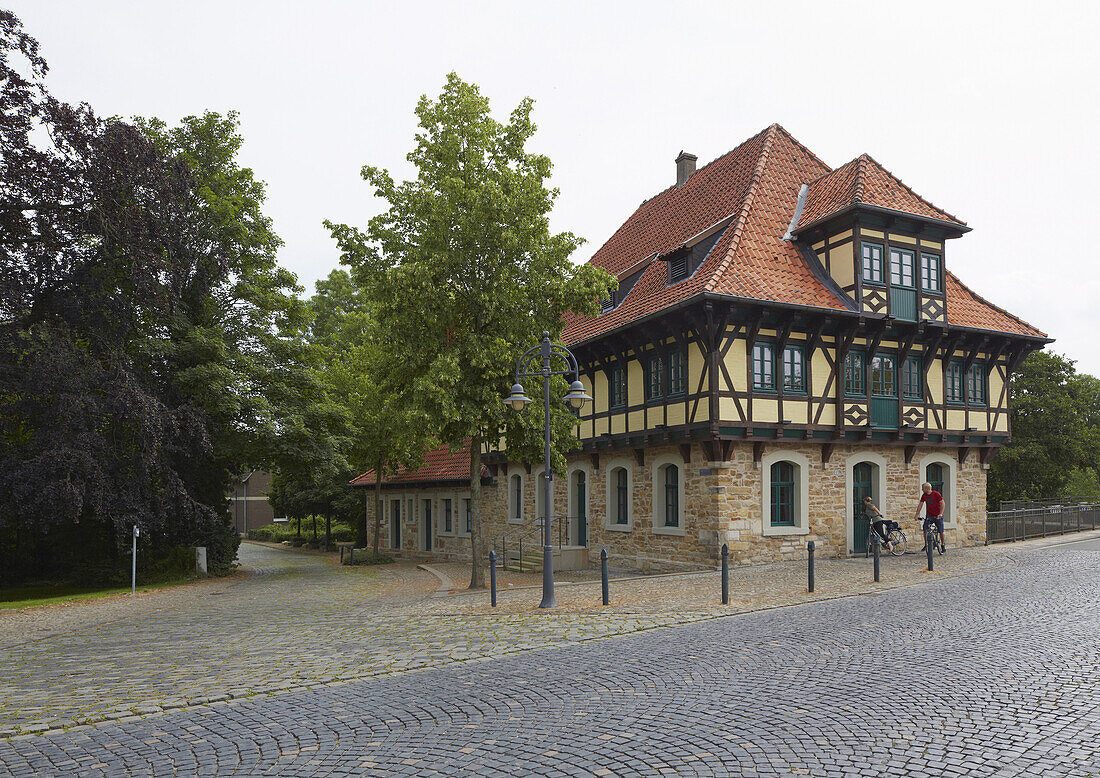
x,y
937,520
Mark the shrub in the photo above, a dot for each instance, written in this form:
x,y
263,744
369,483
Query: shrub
x,y
279,533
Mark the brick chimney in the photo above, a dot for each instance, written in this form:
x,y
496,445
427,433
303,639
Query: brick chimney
x,y
685,166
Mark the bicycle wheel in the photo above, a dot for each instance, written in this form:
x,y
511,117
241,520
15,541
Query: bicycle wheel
x,y
897,538
867,548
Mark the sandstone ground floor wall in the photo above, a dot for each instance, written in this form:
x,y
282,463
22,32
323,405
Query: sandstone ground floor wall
x,y
727,501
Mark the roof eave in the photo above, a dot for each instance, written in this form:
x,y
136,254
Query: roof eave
x,y
950,226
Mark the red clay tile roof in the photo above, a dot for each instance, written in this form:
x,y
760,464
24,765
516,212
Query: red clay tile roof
x,y
864,181
757,184
966,309
440,464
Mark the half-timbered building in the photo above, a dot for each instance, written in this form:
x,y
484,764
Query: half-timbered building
x,y
786,339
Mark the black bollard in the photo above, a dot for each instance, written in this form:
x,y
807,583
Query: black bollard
x,y
603,574
493,578
725,574
877,545
930,547
810,568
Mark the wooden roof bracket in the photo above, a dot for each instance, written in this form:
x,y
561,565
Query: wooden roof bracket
x,y
757,452
910,451
907,345
964,452
827,452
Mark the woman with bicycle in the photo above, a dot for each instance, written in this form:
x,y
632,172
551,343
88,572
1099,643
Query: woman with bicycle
x,y
879,524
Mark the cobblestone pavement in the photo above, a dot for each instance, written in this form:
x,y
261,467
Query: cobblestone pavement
x,y
1002,664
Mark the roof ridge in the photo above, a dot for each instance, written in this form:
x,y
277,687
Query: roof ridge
x,y
746,205
981,299
802,146
857,190
909,189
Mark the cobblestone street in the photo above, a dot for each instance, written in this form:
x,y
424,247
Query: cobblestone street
x,y
1004,670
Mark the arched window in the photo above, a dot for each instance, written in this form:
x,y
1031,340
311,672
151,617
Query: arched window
x,y
670,488
783,494
515,498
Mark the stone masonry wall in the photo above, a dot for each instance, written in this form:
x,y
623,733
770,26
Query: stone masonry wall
x,y
722,503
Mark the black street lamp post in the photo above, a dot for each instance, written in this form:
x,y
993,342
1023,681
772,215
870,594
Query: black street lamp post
x,y
576,397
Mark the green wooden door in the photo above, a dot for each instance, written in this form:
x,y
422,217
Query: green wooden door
x,y
427,525
861,487
582,518
903,287
884,392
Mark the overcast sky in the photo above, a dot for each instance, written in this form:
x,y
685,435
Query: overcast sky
x,y
989,110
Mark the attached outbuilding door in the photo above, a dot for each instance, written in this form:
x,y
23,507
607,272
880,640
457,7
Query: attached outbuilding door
x,y
862,486
581,501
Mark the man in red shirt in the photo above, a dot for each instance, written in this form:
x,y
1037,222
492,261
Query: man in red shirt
x,y
933,502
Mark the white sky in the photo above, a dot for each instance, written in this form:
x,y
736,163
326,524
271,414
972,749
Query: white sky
x,y
987,109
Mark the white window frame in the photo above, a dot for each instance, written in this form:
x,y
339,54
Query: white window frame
x,y
536,476
658,484
611,492
880,495
442,515
512,519
801,493
952,479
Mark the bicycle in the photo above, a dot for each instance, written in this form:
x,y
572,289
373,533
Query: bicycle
x,y
932,536
895,536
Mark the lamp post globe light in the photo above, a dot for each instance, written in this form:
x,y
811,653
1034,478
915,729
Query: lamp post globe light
x,y
527,367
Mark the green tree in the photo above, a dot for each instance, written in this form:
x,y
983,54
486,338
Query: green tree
x,y
1055,433
464,273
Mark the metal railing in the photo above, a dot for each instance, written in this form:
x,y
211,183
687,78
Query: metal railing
x,y
1019,505
531,535
1040,521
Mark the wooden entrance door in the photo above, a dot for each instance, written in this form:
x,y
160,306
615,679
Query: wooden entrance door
x,y
395,524
862,486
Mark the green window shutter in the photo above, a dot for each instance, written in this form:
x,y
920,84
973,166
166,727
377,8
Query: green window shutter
x,y
676,372
672,496
930,273
855,382
763,367
782,494
872,262
911,387
794,373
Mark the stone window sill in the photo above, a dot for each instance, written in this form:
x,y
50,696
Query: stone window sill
x,y
669,531
770,531
620,527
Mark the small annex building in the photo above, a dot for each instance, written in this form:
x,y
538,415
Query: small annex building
x,y
786,339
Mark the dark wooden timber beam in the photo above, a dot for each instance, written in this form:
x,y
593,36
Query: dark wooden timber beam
x,y
639,456
930,350
757,452
964,452
910,451
685,452
827,452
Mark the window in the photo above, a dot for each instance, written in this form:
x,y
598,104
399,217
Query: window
x,y
672,495
469,515
448,519
782,494
975,385
930,273
676,372
855,382
515,498
872,263
656,381
901,267
794,377
763,367
883,380
607,304
618,387
678,268
621,496
953,385
911,379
